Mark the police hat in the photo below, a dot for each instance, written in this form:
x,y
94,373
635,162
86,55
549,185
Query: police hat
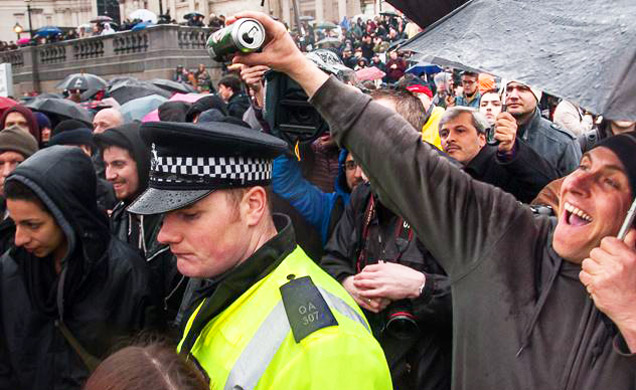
x,y
189,161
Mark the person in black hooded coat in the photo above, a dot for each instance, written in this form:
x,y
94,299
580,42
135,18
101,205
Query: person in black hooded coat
x,y
141,232
90,283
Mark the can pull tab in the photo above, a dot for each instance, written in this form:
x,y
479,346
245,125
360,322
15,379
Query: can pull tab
x,y
248,36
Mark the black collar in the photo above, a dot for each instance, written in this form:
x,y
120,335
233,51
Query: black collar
x,y
228,287
533,122
477,167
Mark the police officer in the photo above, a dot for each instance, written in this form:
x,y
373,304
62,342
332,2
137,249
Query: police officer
x,y
270,318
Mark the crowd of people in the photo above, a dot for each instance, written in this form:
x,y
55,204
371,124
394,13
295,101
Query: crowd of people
x,y
297,228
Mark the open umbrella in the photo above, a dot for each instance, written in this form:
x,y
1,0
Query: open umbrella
x,y
136,109
306,18
48,31
191,15
172,86
141,26
102,19
370,73
128,90
426,12
6,103
177,97
23,41
581,51
325,26
423,67
120,79
84,81
63,108
390,13
144,15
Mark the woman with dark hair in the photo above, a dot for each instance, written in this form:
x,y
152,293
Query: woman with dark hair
x,y
154,366
605,129
69,290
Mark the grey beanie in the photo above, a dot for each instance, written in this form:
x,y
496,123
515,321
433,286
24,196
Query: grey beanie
x,y
15,139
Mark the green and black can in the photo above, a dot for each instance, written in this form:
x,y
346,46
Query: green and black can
x,y
245,36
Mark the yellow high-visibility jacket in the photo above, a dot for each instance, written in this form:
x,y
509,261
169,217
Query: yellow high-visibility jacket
x,y
296,328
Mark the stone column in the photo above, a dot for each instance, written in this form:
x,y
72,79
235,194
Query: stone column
x,y
204,8
286,14
320,10
342,9
191,6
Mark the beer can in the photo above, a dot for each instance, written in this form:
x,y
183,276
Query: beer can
x,y
245,36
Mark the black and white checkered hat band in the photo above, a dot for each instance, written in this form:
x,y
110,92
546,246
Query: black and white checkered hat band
x,y
210,171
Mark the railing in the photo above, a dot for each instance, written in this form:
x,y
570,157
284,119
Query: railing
x,y
13,57
149,53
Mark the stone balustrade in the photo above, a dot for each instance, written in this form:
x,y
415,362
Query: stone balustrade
x,y
151,53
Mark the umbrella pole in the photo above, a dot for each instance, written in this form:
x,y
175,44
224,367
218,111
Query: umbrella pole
x,y
629,220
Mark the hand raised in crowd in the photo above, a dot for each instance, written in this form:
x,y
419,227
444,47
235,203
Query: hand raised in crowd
x,y
281,53
449,100
253,78
609,275
389,280
374,305
505,132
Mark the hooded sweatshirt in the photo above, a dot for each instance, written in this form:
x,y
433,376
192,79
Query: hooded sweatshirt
x,y
521,317
32,122
101,294
141,231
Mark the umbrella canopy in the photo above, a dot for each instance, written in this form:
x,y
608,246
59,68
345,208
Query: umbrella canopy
x,y
48,31
177,97
581,51
371,73
129,90
423,67
172,86
23,41
63,108
6,103
426,12
306,18
191,15
120,79
102,19
141,26
329,42
144,15
136,109
325,26
83,81
389,13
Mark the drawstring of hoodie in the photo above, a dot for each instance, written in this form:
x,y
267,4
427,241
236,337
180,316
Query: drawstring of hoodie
x,y
525,340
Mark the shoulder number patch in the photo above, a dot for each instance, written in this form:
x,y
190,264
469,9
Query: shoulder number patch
x,y
306,308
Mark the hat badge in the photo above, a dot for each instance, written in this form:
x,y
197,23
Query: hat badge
x,y
154,161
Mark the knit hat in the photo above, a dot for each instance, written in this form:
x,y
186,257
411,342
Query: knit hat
x,y
486,82
17,140
624,146
43,120
71,132
173,111
535,91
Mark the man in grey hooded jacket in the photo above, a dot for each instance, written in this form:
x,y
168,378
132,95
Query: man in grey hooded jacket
x,y
522,318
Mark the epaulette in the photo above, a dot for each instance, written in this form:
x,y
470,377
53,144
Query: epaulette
x,y
305,306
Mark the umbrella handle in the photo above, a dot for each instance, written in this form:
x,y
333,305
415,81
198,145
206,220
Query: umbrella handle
x,y
629,220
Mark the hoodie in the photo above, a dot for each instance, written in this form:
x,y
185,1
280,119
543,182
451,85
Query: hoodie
x,y
141,231
101,293
32,122
321,209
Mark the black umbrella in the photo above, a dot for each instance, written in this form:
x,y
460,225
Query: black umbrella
x,y
191,15
172,86
63,108
120,79
102,19
582,51
129,90
426,12
83,81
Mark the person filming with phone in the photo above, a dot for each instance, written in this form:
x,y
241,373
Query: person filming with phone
x,y
506,161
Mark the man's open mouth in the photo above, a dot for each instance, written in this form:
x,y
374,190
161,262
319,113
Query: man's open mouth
x,y
575,216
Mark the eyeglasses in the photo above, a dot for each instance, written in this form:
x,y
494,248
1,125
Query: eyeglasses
x,y
351,165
